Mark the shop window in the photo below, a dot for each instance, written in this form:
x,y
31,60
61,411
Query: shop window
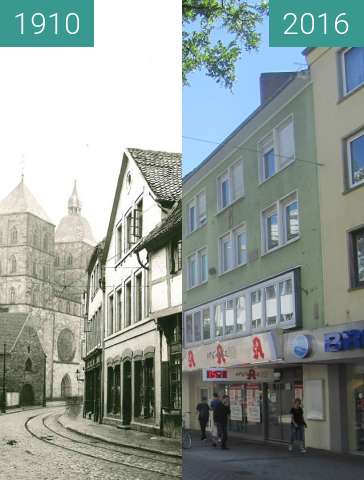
x,y
176,380
110,389
149,410
138,388
117,397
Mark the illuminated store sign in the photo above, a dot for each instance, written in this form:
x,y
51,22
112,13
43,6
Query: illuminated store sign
x,y
238,374
342,341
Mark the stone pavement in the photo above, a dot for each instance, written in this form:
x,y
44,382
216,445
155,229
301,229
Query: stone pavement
x,y
266,462
121,437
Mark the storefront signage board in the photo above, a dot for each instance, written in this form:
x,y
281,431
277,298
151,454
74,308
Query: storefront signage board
x,y
238,374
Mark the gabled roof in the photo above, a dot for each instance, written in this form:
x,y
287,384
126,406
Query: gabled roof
x,y
170,227
11,325
21,200
161,170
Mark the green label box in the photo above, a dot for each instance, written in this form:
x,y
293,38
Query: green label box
x,y
46,23
316,23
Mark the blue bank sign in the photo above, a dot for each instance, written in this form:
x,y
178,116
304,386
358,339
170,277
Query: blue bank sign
x,y
342,341
301,346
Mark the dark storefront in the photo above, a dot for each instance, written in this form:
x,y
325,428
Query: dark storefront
x,y
93,378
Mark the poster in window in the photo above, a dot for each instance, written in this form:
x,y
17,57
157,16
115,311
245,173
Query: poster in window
x,y
235,402
253,403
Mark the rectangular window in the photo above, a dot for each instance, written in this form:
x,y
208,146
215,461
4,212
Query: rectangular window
x,y
127,317
111,315
355,156
225,253
240,252
192,271
271,229
281,223
229,317
197,326
119,242
357,260
138,298
353,62
202,265
196,212
241,325
197,268
189,331
119,310
277,150
138,221
176,256
286,301
256,309
206,324
218,321
230,185
271,305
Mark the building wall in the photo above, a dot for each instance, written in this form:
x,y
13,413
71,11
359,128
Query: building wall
x,y
16,375
335,120
300,176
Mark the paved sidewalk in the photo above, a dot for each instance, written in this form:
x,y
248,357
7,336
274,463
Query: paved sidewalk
x,y
50,404
125,438
252,461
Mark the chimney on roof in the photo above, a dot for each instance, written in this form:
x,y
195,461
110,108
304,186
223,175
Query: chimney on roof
x,y
270,83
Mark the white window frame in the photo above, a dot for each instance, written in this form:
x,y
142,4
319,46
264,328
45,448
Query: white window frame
x,y
279,207
197,256
343,74
271,140
349,159
231,235
227,175
200,218
246,293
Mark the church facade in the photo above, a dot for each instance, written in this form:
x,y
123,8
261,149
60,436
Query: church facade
x,y
43,273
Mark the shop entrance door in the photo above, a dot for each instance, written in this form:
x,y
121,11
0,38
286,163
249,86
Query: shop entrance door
x,y
359,411
279,403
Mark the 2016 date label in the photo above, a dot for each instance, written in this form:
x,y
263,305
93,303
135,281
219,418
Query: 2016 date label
x,y
312,23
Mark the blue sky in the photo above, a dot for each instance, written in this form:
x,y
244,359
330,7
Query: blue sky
x,y
211,112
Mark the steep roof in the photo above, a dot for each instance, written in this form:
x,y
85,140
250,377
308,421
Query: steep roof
x,y
169,227
162,171
11,324
21,200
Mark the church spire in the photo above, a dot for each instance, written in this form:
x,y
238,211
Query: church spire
x,y
74,204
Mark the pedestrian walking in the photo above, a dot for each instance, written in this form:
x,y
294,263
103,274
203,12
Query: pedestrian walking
x,y
298,425
213,404
221,417
203,416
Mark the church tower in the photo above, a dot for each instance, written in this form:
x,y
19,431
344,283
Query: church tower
x,y
74,244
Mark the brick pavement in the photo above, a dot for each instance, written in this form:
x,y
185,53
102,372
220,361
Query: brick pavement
x,y
249,461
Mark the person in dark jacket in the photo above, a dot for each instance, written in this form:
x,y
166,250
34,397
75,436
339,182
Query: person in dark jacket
x,y
221,417
298,425
203,416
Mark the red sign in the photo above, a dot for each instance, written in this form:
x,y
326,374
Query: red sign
x,y
212,374
257,348
220,356
191,360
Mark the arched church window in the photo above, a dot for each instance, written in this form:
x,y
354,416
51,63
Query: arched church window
x,y
45,242
12,295
14,235
28,365
12,264
56,261
69,260
35,237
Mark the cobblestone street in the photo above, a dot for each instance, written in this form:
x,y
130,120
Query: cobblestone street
x,y
34,446
249,461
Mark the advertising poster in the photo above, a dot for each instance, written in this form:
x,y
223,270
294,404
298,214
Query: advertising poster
x,y
253,403
235,402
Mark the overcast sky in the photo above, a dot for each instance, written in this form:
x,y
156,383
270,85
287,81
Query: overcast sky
x,y
68,113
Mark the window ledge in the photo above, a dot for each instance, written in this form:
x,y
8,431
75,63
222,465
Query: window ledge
x,y
281,246
263,182
353,188
230,205
232,269
345,96
198,285
196,229
354,289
